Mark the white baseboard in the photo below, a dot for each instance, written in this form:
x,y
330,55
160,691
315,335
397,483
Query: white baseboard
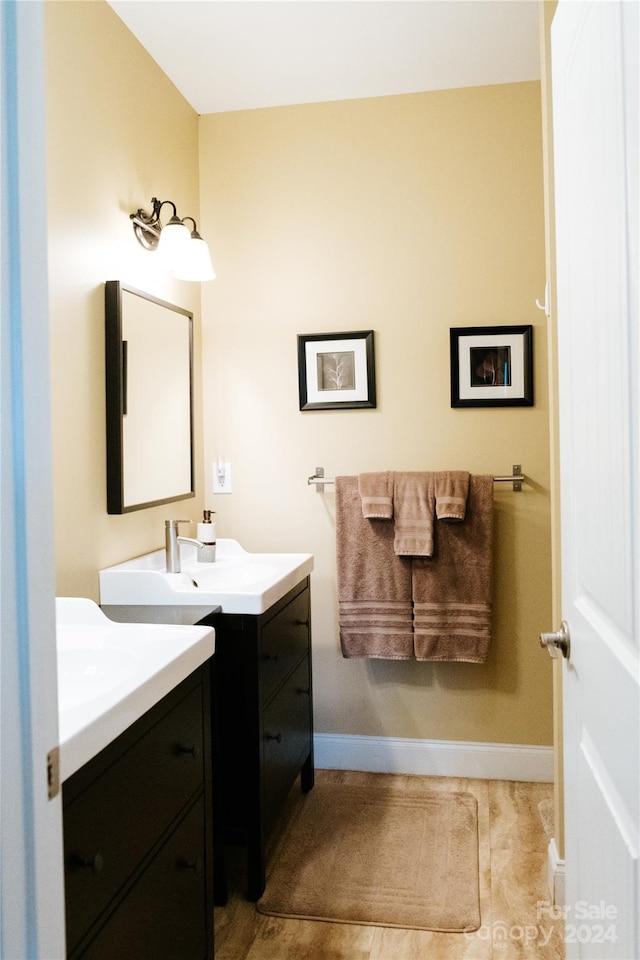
x,y
434,758
555,874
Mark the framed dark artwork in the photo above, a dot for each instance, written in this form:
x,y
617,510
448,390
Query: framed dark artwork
x,y
336,371
492,366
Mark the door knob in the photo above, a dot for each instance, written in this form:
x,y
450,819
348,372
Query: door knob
x,y
558,642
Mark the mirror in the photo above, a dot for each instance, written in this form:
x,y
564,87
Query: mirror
x,y
149,393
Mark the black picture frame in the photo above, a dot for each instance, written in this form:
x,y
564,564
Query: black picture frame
x,y
492,366
336,371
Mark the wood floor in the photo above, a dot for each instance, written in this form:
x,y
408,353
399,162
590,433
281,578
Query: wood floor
x,y
513,878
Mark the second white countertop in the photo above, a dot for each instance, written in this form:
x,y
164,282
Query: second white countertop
x,y
110,674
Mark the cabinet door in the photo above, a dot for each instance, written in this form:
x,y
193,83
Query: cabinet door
x,y
286,740
164,917
111,825
284,642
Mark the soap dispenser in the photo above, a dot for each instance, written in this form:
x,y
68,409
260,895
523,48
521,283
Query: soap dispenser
x,y
207,537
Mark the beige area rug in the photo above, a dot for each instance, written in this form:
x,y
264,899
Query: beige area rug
x,y
378,856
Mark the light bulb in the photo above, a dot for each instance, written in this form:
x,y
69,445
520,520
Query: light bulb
x,y
194,263
175,238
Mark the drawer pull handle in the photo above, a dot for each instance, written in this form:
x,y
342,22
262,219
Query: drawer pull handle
x,y
302,690
273,657
274,736
302,623
195,865
95,863
191,750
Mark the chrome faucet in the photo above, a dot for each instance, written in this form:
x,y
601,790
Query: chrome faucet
x,y
172,544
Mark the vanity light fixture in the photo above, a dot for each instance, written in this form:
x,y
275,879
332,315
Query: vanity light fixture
x,y
183,250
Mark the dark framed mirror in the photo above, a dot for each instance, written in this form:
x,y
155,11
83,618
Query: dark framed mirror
x,y
149,400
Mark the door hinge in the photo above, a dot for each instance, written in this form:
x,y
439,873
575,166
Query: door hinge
x,y
53,773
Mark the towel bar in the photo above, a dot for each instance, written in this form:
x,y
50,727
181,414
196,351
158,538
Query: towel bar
x,y
516,477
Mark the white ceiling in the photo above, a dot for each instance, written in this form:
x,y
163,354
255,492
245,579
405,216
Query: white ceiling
x,y
242,54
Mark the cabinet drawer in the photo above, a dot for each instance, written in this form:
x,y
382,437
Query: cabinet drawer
x,y
112,824
286,739
284,642
164,915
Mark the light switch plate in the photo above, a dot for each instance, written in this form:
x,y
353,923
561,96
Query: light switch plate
x,y
221,476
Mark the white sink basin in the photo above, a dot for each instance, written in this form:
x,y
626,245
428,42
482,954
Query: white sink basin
x,y
88,673
238,581
110,674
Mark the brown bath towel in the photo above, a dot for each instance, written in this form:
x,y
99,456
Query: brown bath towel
x,y
452,591
452,489
413,508
376,492
374,585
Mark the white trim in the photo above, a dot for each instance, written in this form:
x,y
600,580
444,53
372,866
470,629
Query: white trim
x,y
555,874
434,758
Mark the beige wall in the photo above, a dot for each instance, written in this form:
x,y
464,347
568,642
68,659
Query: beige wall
x,y
118,134
406,215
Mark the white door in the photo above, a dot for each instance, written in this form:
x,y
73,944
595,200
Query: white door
x,y
595,105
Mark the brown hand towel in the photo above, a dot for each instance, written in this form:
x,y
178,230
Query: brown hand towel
x,y
374,586
376,492
413,508
452,591
452,489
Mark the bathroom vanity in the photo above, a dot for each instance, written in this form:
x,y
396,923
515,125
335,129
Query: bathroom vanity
x,y
262,687
263,699
138,837
135,761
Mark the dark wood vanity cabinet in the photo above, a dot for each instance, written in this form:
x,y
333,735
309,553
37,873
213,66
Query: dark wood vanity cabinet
x,y
138,837
264,719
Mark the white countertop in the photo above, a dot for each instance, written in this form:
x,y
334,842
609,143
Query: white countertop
x,y
238,581
110,674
